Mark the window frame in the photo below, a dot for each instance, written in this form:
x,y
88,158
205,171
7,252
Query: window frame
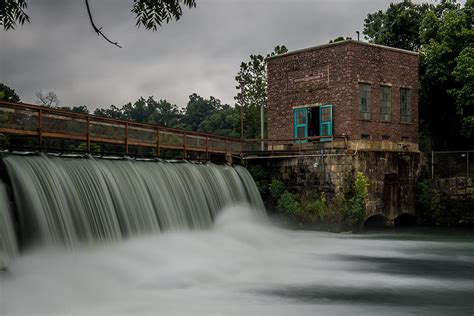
x,y
385,103
405,106
365,114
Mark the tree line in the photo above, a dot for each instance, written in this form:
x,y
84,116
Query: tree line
x,y
200,114
442,33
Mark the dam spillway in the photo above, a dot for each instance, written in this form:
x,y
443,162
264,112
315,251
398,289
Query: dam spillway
x,y
70,201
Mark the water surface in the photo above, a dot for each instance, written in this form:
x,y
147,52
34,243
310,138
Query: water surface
x,y
245,266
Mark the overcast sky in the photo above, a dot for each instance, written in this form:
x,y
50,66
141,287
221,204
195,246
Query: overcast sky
x,y
200,53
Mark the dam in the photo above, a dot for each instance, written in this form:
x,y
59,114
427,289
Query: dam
x,y
73,201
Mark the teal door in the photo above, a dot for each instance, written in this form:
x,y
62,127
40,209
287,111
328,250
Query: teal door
x,y
325,122
301,124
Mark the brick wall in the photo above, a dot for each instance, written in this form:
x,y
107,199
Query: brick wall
x,y
330,74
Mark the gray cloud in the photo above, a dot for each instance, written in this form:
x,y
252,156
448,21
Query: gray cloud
x,y
200,53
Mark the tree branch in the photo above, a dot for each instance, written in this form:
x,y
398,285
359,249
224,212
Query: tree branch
x,y
96,29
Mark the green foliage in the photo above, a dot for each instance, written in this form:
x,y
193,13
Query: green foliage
x,y
337,39
76,109
344,211
144,110
7,93
436,206
198,109
355,206
288,204
447,75
252,90
149,13
153,13
443,34
224,122
276,188
12,12
315,209
112,112
398,26
82,147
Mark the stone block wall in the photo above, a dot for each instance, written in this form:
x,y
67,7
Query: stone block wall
x,y
392,176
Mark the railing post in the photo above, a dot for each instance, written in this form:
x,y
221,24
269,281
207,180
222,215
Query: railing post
x,y
88,135
158,142
225,145
126,139
40,129
184,144
207,148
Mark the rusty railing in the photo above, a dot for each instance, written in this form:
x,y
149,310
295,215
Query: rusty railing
x,y
43,123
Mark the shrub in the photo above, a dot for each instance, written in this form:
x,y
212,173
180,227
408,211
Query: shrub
x,y
288,204
277,188
315,209
355,209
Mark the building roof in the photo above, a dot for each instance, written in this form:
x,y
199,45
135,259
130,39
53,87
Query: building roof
x,y
342,43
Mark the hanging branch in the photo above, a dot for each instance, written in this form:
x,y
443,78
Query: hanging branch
x,y
99,30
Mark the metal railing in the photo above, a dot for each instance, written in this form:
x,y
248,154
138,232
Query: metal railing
x,y
42,124
450,164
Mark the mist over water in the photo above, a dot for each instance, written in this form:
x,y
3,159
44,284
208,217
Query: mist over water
x,y
243,265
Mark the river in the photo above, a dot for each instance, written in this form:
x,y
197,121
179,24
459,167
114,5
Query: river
x,y
244,265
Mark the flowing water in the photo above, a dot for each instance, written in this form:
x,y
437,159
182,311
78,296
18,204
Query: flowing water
x,y
236,263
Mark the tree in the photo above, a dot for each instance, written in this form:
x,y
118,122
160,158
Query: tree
x,y
144,110
339,39
198,109
252,90
399,26
443,35
447,75
48,99
224,122
112,112
149,13
76,109
7,93
464,95
165,114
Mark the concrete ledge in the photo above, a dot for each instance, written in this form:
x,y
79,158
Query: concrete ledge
x,y
368,145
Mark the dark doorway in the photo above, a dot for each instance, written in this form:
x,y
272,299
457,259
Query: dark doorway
x,y
313,121
377,221
405,219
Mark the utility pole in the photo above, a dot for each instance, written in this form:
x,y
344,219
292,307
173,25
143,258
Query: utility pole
x,y
241,121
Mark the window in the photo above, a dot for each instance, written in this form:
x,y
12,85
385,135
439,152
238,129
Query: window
x,y
385,103
365,136
405,106
301,117
385,137
364,101
405,138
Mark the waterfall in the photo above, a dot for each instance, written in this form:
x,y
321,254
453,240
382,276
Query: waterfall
x,y
70,201
8,244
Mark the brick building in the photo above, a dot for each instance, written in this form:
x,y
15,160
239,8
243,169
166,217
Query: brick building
x,y
360,90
